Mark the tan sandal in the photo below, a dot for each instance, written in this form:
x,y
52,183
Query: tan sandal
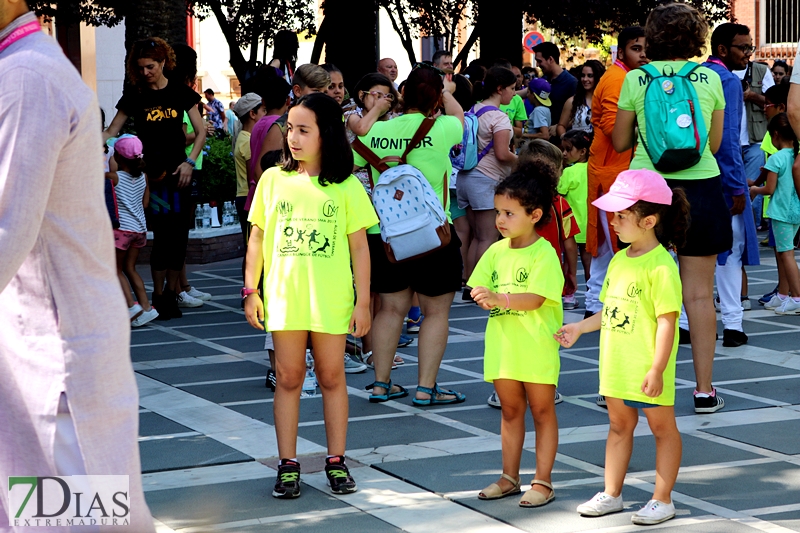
x,y
494,492
533,498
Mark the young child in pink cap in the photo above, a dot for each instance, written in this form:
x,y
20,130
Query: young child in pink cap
x,y
641,299
133,195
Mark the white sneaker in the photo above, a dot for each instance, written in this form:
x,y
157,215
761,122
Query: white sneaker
x,y
144,318
494,400
746,306
353,366
559,399
789,307
186,300
601,504
601,401
654,512
200,295
774,302
135,310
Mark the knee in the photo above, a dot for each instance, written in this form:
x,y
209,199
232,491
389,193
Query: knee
x,y
331,379
543,412
290,378
622,425
512,411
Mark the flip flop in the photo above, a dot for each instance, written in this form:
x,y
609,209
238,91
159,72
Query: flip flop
x,y
388,395
435,391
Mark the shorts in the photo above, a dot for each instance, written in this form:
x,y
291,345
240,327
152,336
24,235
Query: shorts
x,y
475,190
710,231
784,235
124,240
268,342
455,211
432,275
639,405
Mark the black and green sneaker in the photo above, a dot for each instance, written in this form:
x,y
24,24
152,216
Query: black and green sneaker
x,y
339,477
287,485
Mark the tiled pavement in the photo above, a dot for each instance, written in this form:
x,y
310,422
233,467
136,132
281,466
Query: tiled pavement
x,y
208,444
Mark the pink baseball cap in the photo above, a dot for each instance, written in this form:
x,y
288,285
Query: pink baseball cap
x,y
129,147
632,186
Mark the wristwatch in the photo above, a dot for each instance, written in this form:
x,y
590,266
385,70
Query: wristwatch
x,y
247,292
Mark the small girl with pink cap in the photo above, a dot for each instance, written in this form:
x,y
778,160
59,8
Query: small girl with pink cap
x,y
641,298
133,195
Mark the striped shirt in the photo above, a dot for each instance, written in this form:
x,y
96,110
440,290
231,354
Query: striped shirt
x,y
130,192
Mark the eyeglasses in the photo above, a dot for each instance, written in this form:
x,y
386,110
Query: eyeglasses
x,y
769,105
746,49
379,95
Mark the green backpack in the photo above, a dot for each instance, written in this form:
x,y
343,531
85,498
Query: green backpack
x,y
676,134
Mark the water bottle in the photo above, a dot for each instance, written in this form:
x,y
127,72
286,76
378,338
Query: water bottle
x,y
198,217
228,214
234,215
310,382
206,216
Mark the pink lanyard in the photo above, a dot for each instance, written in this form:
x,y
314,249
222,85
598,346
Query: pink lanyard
x,y
621,65
716,62
19,33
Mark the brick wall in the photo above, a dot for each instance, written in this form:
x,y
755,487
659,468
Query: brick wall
x,y
744,11
205,246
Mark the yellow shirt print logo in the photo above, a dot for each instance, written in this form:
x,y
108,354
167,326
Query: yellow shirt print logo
x,y
157,114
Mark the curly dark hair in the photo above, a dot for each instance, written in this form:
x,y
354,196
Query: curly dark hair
x,y
533,186
675,31
153,48
673,220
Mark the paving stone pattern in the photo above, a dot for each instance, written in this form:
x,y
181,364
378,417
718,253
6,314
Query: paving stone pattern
x,y
208,444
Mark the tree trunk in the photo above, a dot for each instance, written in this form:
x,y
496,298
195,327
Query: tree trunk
x,y
156,18
355,50
462,55
502,31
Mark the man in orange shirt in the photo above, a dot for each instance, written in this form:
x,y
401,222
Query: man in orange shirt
x,y
604,162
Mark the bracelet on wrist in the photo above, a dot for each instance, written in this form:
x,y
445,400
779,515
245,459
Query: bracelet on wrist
x,y
190,161
247,292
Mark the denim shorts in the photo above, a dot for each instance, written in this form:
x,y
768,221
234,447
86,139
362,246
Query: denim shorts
x,y
639,405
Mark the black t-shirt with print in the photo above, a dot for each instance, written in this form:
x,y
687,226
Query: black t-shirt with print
x,y
158,120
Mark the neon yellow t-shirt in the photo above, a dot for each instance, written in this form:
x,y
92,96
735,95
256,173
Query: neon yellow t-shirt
x,y
431,157
515,110
198,165
308,282
241,158
636,291
709,91
767,146
574,186
520,344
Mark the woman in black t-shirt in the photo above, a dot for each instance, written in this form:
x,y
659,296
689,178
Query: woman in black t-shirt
x,y
157,108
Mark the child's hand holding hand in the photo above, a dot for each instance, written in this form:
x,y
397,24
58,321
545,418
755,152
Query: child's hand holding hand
x,y
486,298
254,310
568,335
653,383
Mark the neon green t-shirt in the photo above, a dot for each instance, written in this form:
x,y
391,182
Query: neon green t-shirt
x,y
515,110
709,91
308,282
767,146
198,165
574,186
431,157
636,291
520,344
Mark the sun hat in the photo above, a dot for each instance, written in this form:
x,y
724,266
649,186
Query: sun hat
x,y
541,90
129,147
632,186
247,103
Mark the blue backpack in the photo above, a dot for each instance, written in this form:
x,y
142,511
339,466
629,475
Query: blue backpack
x,y
676,134
465,156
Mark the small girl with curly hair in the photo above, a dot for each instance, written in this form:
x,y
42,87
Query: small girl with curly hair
x,y
519,280
638,336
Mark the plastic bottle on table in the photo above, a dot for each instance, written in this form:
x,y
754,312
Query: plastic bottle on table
x,y
198,217
206,216
310,381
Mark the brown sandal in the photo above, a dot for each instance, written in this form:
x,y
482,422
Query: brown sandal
x,y
533,498
494,492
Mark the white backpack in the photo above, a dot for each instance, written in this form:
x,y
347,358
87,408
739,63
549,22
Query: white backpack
x,y
412,218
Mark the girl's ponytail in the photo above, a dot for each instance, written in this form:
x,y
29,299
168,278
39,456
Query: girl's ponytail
x,y
672,227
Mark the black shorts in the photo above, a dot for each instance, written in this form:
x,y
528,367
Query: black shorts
x,y
432,275
710,231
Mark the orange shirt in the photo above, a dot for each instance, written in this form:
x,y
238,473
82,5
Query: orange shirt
x,y
604,162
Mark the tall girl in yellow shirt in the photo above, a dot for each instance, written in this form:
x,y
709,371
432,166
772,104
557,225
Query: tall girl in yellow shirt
x,y
309,220
519,279
641,298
